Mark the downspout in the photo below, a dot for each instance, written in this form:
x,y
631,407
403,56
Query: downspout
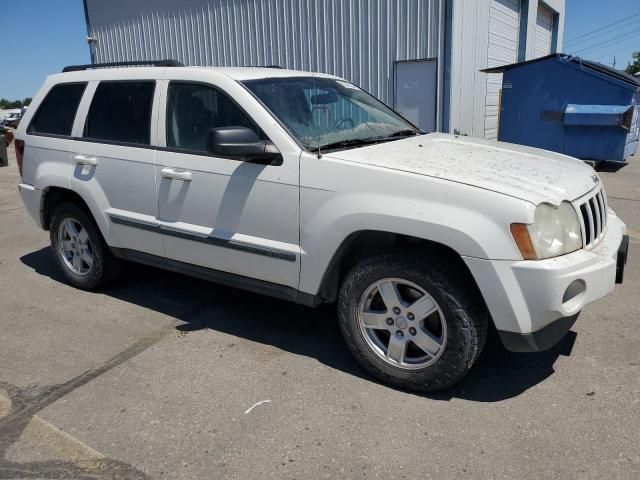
x,y
554,32
91,43
441,65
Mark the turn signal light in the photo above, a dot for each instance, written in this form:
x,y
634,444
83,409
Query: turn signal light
x,y
521,236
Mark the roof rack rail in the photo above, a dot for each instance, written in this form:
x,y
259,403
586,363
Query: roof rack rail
x,y
152,63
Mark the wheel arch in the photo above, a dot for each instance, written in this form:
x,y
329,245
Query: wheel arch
x,y
54,196
365,243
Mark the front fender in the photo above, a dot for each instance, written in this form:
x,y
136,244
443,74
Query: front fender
x,y
471,221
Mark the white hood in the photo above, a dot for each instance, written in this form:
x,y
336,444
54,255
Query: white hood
x,y
523,172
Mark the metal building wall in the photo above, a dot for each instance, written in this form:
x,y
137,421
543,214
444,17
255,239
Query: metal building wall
x,y
469,47
505,18
355,39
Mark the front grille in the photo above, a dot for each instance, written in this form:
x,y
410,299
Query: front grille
x,y
594,218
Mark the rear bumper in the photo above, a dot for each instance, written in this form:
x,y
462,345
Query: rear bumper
x,y
32,199
533,303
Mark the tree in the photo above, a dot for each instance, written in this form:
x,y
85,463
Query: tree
x,y
8,104
634,67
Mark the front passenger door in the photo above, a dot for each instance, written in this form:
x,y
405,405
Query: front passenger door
x,y
232,216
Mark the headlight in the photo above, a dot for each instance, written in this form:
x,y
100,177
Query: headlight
x,y
555,231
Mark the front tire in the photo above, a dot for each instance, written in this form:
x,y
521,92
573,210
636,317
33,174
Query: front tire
x,y
413,321
83,256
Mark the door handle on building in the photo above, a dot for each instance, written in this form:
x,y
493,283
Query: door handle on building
x,y
176,174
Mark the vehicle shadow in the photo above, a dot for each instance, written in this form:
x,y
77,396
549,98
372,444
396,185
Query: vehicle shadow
x,y
610,167
314,333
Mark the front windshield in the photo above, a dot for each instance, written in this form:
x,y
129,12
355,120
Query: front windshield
x,y
327,113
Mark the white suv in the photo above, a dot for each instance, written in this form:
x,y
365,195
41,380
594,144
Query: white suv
x,y
304,187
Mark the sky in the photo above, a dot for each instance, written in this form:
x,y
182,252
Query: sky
x,y
619,40
39,37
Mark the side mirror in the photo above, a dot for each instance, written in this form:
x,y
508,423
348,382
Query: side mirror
x,y
242,143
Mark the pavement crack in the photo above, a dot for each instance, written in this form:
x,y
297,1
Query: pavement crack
x,y
101,470
27,401
3,210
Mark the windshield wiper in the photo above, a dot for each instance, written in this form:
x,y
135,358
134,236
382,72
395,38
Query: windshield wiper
x,y
399,134
358,142
352,142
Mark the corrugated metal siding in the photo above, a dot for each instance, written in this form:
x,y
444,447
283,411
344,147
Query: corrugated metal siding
x,y
544,31
355,39
504,31
469,39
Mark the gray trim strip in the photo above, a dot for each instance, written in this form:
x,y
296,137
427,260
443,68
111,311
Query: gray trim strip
x,y
229,279
218,242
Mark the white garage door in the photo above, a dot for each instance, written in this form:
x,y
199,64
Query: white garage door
x,y
544,31
504,30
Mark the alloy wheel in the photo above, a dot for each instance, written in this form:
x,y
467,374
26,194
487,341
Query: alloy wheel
x,y
75,247
402,324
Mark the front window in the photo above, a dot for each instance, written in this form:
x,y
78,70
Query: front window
x,y
193,109
329,114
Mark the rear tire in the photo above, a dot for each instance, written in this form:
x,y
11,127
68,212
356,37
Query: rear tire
x,y
433,329
79,249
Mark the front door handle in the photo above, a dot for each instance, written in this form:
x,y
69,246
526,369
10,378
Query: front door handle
x,y
176,174
82,160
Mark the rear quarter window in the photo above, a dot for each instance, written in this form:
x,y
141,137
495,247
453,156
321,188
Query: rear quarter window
x,y
121,112
57,111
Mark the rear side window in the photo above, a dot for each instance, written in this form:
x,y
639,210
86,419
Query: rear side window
x,y
121,112
58,110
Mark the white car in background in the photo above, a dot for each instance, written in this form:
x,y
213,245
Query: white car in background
x,y
12,119
304,187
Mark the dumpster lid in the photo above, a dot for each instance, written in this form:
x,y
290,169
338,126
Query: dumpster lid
x,y
504,68
612,72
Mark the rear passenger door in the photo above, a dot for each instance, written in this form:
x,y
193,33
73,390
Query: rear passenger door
x,y
114,160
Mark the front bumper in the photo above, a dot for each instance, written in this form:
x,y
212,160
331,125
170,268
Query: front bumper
x,y
539,341
540,300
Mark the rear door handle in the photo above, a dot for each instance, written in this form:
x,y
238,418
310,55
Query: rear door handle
x,y
82,160
176,174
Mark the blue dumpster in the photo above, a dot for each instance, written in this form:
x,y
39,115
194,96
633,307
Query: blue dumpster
x,y
570,105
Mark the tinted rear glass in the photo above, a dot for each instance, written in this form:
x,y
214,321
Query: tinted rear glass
x,y
121,112
58,110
